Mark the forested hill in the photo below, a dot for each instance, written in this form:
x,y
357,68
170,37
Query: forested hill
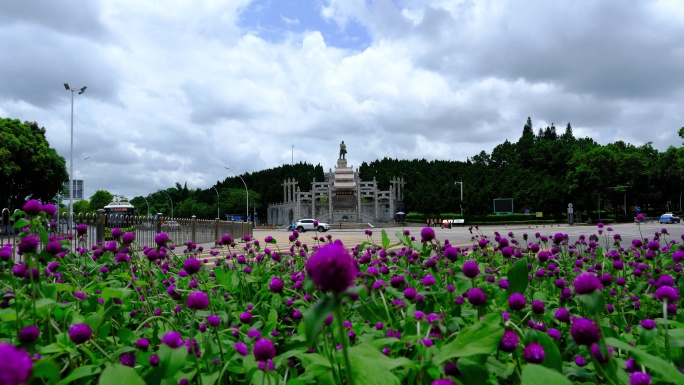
x,y
542,171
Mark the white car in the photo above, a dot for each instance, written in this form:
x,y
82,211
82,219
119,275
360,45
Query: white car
x,y
303,225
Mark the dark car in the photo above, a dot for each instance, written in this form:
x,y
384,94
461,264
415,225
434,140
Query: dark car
x,y
668,218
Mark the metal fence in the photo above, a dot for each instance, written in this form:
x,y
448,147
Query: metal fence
x,y
98,228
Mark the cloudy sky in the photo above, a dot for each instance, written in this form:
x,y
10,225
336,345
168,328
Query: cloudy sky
x,y
178,89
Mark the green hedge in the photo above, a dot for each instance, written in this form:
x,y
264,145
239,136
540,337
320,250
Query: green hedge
x,y
491,218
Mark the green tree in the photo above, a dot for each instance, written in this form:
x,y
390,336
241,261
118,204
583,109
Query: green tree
x,y
100,199
29,167
81,207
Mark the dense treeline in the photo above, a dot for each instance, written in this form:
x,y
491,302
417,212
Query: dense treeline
x,y
542,172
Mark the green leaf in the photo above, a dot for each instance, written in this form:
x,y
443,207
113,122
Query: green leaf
x,y
370,366
272,316
315,317
385,239
172,360
553,358
81,372
115,374
480,338
472,372
666,369
518,277
221,276
372,354
47,370
595,302
108,293
540,375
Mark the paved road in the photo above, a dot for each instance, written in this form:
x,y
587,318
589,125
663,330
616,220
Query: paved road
x,y
461,235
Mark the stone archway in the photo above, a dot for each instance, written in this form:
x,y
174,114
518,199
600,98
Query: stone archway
x,y
290,216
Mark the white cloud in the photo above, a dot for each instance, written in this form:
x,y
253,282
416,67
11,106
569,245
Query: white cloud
x,y
179,89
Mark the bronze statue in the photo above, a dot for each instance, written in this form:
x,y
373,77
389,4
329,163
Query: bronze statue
x,y
343,150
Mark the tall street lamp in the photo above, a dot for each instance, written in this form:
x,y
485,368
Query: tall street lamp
x,y
165,193
246,191
148,206
71,153
218,201
461,183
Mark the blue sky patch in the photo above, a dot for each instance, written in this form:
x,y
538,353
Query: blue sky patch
x,y
273,19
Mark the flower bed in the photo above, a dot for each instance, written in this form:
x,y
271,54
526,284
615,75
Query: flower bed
x,y
531,310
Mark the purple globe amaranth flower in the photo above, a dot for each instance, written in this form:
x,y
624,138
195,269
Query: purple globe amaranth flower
x,y
470,269
584,331
667,293
580,361
142,344
213,320
128,359
476,297
264,349
517,301
154,360
534,353
653,246
538,306
33,207
509,342
16,365
5,254
276,285
53,247
639,378
241,348
161,239
171,291
80,333
192,266
648,324
29,334
410,293
81,229
29,244
49,209
331,268
562,315
586,283
197,300
427,234
127,238
173,339
428,280
451,253
116,232
246,317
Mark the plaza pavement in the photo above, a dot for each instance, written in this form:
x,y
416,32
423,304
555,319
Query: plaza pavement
x,y
462,237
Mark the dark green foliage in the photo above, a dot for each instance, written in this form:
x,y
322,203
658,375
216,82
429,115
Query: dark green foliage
x,y
29,167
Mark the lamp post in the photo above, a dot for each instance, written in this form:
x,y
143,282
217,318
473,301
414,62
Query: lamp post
x,y
218,210
292,162
246,191
170,201
71,152
148,206
461,183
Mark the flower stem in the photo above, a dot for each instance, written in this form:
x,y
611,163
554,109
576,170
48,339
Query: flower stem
x,y
350,378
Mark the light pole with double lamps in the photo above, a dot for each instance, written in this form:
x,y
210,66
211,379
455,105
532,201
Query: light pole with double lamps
x,y
71,152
